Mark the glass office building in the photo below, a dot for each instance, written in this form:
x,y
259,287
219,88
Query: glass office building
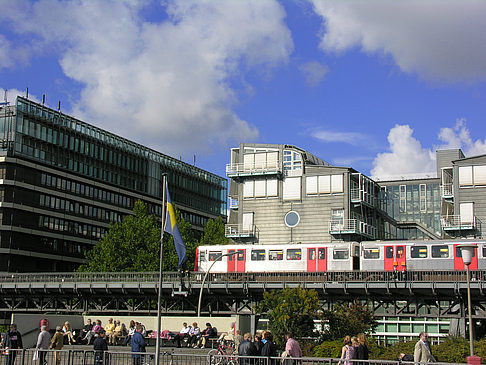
x,y
63,181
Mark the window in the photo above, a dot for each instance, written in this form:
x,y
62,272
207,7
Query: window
x,y
337,183
465,175
440,251
322,254
389,252
418,252
484,251
337,219
291,188
371,253
340,254
312,254
479,173
275,255
292,219
202,256
213,255
403,199
400,252
423,198
292,163
311,185
257,255
241,255
294,254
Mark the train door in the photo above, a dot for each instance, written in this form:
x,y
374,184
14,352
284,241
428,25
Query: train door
x,y
231,261
241,260
311,260
395,258
321,259
459,264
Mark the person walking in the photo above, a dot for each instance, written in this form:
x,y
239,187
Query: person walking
x,y
138,345
100,347
57,343
12,341
423,352
292,347
43,341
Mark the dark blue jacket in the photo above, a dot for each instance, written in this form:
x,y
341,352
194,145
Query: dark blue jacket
x,y
138,344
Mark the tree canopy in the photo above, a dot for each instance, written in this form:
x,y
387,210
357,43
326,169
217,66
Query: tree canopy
x,y
290,310
214,233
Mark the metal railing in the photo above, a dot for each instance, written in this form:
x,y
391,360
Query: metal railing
x,y
447,190
454,222
84,357
290,277
235,169
353,226
240,230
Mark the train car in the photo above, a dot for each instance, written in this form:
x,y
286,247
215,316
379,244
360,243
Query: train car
x,y
323,257
419,255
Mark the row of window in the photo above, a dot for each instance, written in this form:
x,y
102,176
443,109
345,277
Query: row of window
x,y
324,184
472,175
79,209
75,228
291,254
416,252
62,246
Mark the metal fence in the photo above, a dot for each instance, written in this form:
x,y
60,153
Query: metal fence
x,y
83,357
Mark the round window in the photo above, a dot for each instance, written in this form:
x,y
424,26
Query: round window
x,y
292,219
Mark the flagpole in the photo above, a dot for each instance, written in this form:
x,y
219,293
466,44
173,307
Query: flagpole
x,y
159,300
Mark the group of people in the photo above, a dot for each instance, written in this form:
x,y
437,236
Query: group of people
x,y
263,345
194,336
113,330
354,348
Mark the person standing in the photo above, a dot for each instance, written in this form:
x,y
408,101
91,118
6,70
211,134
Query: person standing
x,y
12,340
99,347
138,345
246,348
423,352
43,341
270,348
292,347
362,352
347,352
57,343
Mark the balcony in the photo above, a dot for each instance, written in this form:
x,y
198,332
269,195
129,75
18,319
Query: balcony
x,y
361,196
447,191
251,169
240,231
351,226
456,223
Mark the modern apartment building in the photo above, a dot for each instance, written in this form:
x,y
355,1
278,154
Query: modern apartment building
x,y
283,194
63,181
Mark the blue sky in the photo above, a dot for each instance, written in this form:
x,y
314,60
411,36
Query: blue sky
x,y
375,85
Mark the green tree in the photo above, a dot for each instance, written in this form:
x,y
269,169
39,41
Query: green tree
x,y
214,233
290,310
347,320
134,245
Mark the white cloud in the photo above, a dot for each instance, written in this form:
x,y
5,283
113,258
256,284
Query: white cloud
x,y
168,84
459,137
352,138
437,39
406,156
314,72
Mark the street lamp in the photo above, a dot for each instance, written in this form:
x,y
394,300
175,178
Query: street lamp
x,y
467,252
206,275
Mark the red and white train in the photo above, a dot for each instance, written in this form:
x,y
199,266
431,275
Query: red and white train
x,y
339,256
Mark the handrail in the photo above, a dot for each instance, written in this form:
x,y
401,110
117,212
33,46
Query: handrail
x,y
297,277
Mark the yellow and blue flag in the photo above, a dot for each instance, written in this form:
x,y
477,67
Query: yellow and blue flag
x,y
172,228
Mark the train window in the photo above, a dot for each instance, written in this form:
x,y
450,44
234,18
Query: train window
x,y
484,251
215,256
202,256
294,254
322,253
342,254
418,252
275,255
400,252
441,251
257,255
312,254
231,257
371,253
241,255
459,252
389,252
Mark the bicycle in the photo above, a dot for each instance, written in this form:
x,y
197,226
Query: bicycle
x,y
224,354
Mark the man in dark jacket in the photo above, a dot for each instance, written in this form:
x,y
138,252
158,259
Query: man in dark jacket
x,y
270,348
12,340
100,346
247,348
138,345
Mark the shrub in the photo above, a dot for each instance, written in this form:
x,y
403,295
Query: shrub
x,y
330,349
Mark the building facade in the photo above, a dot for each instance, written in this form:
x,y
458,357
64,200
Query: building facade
x,y
63,182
